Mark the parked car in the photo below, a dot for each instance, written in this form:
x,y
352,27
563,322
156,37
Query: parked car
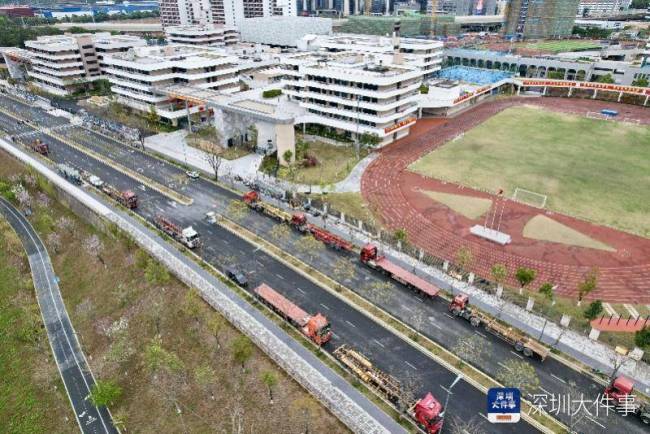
x,y
192,174
237,275
95,181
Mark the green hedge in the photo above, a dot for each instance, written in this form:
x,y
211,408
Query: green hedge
x,y
271,93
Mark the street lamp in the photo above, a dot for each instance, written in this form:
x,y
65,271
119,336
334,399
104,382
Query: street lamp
x,y
449,392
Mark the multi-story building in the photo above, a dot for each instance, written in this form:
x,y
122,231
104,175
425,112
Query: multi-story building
x,y
63,64
216,35
602,8
467,7
228,12
424,54
541,18
141,77
353,93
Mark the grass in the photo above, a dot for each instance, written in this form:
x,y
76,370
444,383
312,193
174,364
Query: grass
x,y
352,204
593,169
467,206
544,228
334,164
128,318
204,139
559,46
32,396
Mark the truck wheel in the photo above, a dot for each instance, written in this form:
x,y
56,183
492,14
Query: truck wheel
x,y
475,321
455,311
528,352
519,347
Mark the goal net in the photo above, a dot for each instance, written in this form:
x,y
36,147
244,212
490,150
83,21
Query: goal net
x,y
529,198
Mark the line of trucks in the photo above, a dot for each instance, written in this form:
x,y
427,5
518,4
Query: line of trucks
x,y
370,256
126,198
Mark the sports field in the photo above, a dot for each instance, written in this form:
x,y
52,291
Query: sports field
x,y
593,169
559,46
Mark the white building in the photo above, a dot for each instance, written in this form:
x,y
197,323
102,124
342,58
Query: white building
x,y
284,31
215,35
229,12
424,54
354,94
602,8
141,78
62,64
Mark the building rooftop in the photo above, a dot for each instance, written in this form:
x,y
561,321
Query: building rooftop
x,y
172,53
198,29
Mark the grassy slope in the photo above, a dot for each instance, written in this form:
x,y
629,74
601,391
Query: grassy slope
x,y
32,396
100,292
334,164
590,168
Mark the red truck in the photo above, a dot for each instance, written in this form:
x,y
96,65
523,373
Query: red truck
x,y
40,147
299,221
370,257
315,327
126,198
188,236
620,391
427,412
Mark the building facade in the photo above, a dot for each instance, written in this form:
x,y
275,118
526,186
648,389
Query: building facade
x,y
532,19
602,8
216,35
63,64
228,12
141,77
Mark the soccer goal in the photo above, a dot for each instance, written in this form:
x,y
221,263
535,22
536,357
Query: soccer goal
x,y
529,198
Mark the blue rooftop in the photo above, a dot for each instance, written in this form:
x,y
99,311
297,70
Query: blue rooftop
x,y
473,75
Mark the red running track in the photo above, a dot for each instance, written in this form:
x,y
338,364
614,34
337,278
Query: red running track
x,y
624,275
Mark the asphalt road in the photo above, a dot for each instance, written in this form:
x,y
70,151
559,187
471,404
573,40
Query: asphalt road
x,y
385,349
70,360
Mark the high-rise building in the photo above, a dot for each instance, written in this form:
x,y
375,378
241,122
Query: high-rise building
x,y
467,7
602,8
541,18
228,12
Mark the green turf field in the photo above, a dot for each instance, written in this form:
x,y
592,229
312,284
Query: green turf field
x,y
590,168
559,46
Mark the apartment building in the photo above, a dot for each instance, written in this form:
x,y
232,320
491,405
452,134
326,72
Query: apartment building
x,y
541,18
602,8
142,76
215,35
353,94
423,54
63,64
228,12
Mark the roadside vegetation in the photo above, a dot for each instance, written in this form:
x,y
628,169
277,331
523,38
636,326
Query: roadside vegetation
x,y
164,359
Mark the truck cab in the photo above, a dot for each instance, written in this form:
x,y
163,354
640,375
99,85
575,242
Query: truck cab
x,y
428,414
368,253
298,219
622,387
130,199
190,237
459,303
318,328
251,197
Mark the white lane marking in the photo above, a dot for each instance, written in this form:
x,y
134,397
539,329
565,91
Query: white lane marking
x,y
259,263
480,334
449,315
300,290
558,378
352,325
515,354
379,343
406,361
544,390
420,299
504,366
278,276
408,308
436,325
325,306
596,422
483,416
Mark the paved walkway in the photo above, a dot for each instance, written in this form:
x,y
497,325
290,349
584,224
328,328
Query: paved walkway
x,y
624,275
70,360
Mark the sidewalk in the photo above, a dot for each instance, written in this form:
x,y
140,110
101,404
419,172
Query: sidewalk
x,y
594,354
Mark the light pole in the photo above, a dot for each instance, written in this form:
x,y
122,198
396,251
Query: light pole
x,y
449,392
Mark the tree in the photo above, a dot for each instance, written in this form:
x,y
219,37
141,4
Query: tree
x,y
344,270
280,232
192,304
369,139
617,361
104,393
237,209
499,273
519,374
158,358
401,236
589,283
216,324
556,75
270,380
94,246
464,257
641,82
547,291
54,241
205,377
213,155
470,348
525,276
309,246
594,309
424,89
152,117
642,338
607,78
156,273
242,350
287,158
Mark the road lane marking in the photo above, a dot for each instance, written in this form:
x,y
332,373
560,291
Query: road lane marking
x,y
300,290
480,334
544,390
279,276
558,378
407,362
504,366
518,355
350,323
596,422
379,343
420,299
483,416
325,306
449,315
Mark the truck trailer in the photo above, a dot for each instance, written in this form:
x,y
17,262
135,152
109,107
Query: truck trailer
x,y
426,412
188,236
125,198
370,257
69,173
315,327
620,392
459,307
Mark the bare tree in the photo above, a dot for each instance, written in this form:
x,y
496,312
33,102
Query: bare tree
x,y
237,209
344,270
54,241
473,425
617,361
519,374
280,232
464,257
471,348
309,246
94,246
214,157
66,224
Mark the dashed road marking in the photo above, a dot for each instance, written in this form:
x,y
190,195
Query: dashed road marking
x,y
544,390
279,276
406,361
300,290
449,315
325,306
518,355
504,366
480,334
379,343
483,416
596,422
558,378
352,325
